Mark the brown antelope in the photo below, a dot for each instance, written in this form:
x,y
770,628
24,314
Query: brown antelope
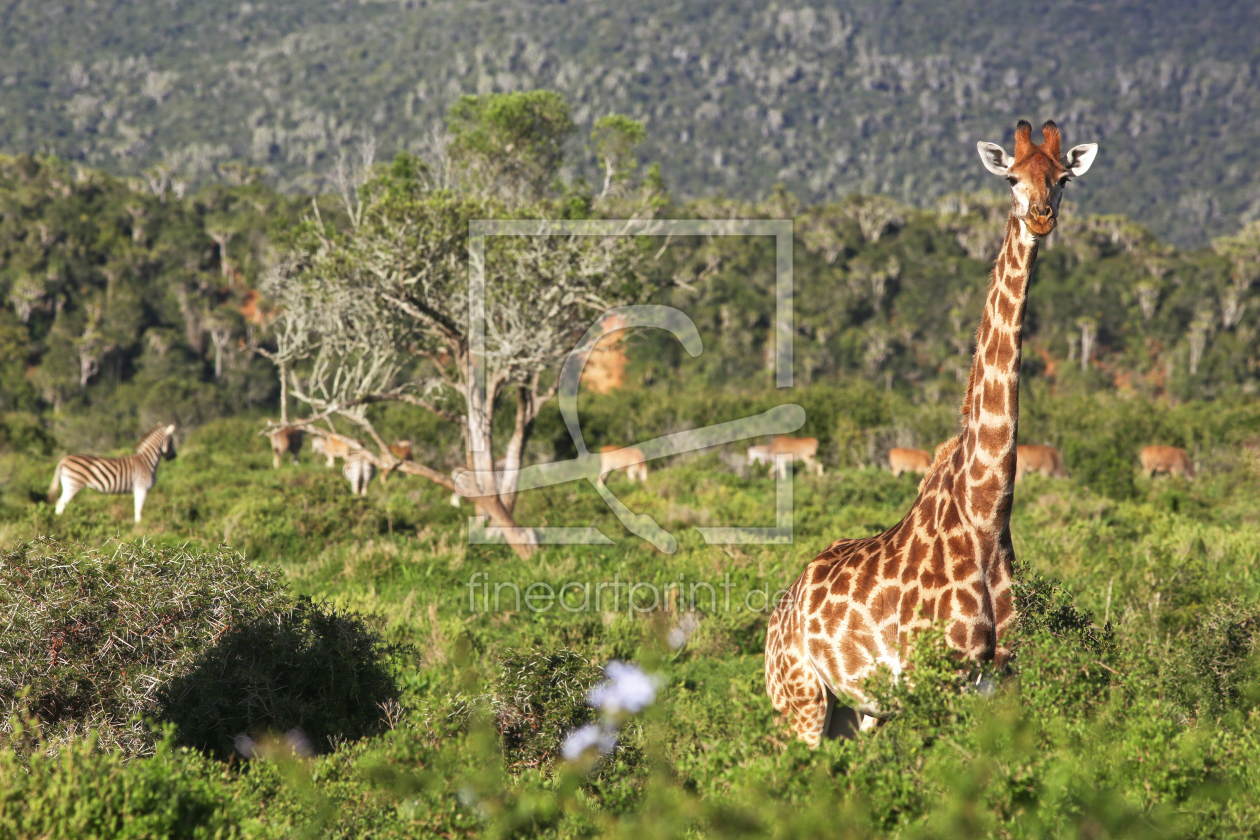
x,y
799,449
627,458
909,460
285,439
1166,459
401,450
1034,458
332,447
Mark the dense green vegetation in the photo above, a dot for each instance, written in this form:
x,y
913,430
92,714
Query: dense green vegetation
x,y
1153,732
829,99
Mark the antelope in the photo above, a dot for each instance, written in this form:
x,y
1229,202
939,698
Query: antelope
x,y
285,439
400,449
332,447
1035,458
909,460
800,449
1166,459
628,458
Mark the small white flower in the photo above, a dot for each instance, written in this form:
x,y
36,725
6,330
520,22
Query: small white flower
x,y
245,745
676,638
297,742
628,689
586,738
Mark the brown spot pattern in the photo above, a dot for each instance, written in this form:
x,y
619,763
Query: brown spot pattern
x,y
860,600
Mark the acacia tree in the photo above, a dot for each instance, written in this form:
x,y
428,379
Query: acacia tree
x,y
380,310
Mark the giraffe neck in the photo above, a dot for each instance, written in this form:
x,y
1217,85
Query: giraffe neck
x,y
991,409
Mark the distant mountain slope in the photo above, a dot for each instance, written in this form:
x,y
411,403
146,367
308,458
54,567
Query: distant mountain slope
x,y
885,97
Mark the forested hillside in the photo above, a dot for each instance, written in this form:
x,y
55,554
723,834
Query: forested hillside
x,y
869,97
122,306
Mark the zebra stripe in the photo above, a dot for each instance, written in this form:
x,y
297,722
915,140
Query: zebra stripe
x,y
130,474
359,470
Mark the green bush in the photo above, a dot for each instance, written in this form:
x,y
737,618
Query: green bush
x,y
1218,669
539,697
82,792
307,666
89,635
23,432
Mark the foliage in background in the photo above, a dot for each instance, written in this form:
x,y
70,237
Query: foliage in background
x,y
121,307
830,99
130,306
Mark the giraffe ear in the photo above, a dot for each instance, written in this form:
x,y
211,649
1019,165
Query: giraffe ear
x,y
1079,158
995,158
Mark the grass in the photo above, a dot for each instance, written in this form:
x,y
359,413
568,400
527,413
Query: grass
x,y
1156,732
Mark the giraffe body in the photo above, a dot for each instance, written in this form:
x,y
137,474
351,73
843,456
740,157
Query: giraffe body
x,y
856,604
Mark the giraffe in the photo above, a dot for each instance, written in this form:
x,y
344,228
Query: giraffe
x,y
855,605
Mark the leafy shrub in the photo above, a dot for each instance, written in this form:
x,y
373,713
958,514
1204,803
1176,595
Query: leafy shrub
x,y
82,792
1217,661
22,432
1061,654
539,698
90,636
928,699
306,666
1042,606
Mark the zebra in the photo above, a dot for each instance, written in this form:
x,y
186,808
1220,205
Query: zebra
x,y
136,473
359,469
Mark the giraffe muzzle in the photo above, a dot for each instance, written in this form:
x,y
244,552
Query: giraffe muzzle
x,y
1041,222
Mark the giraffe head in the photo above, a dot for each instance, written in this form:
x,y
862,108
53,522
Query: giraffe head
x,y
1037,173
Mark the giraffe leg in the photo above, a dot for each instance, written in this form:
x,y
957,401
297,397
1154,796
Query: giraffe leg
x,y
808,713
795,688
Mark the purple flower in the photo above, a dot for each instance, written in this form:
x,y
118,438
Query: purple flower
x,y
628,689
586,738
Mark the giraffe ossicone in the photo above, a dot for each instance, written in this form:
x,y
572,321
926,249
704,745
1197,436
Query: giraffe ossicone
x,y
856,605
